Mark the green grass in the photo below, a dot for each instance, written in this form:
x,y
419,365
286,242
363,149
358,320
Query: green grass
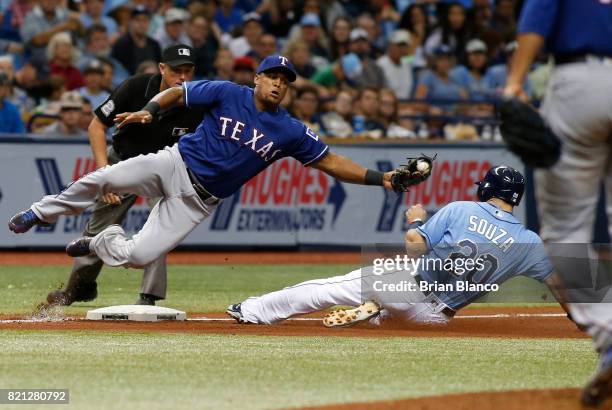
x,y
163,371
193,288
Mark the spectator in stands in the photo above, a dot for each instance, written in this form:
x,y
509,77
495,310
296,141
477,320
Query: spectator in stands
x,y
251,32
496,76
366,122
339,39
86,115
306,107
97,47
136,46
415,20
121,12
388,116
244,71
280,17
504,20
310,31
376,41
44,21
224,65
454,31
265,46
371,75
62,56
50,104
436,84
147,67
16,95
173,30
18,9
108,78
10,118
472,76
71,106
94,14
205,45
396,65
337,122
299,54
228,16
93,91
32,78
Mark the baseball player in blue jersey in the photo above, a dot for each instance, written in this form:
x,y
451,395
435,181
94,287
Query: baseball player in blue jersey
x,y
485,232
578,109
243,131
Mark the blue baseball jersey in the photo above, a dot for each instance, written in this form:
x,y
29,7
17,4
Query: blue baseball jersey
x,y
498,245
570,26
235,141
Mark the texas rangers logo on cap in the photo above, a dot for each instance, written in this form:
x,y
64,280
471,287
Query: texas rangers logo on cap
x,y
280,63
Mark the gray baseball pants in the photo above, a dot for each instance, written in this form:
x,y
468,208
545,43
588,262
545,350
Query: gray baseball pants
x,y
578,108
86,269
160,175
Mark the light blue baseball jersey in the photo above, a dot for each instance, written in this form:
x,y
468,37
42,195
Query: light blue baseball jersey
x,y
481,232
235,141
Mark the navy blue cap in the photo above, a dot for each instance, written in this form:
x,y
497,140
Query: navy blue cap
x,y
443,50
278,62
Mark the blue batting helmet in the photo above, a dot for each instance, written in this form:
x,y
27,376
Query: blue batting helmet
x,y
502,182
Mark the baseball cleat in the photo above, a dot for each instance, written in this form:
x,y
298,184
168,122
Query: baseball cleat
x,y
599,387
235,312
343,318
79,247
24,221
146,299
85,292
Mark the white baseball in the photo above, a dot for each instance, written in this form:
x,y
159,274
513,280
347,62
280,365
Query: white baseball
x,y
423,166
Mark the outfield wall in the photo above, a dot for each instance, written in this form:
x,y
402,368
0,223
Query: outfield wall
x,y
286,205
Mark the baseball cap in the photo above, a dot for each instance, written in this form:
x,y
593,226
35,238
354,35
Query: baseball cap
x,y
71,100
278,62
252,16
244,63
175,14
178,55
94,66
358,34
511,47
351,65
475,45
443,50
310,19
400,37
140,9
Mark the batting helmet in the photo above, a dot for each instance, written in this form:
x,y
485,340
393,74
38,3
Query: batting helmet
x,y
502,182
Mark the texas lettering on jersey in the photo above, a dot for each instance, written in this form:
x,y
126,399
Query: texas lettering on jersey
x,y
262,148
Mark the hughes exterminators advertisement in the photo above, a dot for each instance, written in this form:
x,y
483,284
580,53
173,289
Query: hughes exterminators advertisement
x,y
287,204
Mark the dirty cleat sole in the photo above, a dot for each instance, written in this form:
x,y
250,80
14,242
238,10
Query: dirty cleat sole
x,y
349,317
598,389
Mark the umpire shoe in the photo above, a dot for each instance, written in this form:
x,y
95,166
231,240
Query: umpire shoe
x,y
236,312
599,387
343,317
85,292
146,299
79,247
24,221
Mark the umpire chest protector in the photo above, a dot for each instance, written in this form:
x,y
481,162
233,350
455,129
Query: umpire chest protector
x,y
165,129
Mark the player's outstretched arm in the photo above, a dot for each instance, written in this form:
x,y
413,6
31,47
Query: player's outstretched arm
x,y
97,140
172,97
345,170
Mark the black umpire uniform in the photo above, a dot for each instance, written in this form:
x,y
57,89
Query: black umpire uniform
x,y
135,139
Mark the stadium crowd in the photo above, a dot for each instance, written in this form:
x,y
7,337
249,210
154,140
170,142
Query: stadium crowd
x,y
375,68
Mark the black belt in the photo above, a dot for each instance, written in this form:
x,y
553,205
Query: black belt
x,y
446,310
205,196
561,59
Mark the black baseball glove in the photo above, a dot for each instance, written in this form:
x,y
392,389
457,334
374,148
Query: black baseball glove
x,y
414,172
527,135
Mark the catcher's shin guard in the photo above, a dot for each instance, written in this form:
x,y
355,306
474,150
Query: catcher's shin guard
x,y
343,318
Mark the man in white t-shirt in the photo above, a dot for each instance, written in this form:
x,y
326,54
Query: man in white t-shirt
x,y
397,65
